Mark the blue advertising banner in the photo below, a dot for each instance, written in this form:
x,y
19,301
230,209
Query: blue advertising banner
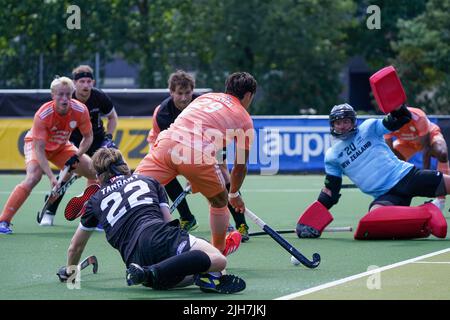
x,y
293,145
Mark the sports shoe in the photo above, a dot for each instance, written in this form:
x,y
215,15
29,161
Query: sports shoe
x,y
227,283
47,219
232,243
135,275
440,203
230,228
243,230
5,227
188,225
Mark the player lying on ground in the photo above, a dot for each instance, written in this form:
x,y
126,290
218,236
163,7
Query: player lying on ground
x,y
181,87
134,212
361,154
48,140
417,135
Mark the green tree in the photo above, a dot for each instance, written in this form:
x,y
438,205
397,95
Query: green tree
x,y
30,29
423,57
375,44
294,48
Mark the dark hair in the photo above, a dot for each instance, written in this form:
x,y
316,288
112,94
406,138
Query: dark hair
x,y
182,79
239,83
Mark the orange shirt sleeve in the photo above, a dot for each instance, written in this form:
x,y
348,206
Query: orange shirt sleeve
x,y
154,131
245,136
39,131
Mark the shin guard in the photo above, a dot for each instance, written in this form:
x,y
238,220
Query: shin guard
x,y
316,216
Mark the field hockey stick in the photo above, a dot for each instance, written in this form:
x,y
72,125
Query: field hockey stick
x,y
54,193
281,241
329,229
180,198
91,260
349,186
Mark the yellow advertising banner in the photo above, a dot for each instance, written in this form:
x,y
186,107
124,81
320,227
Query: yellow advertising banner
x,y
130,137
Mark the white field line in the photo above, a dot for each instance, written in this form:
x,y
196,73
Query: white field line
x,y
360,275
432,262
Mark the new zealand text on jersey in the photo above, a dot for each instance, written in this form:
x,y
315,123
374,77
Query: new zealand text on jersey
x,y
116,185
355,154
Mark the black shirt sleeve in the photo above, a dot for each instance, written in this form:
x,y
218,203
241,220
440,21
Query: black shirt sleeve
x,y
106,105
88,219
162,195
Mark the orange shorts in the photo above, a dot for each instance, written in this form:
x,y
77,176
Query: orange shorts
x,y
169,158
408,149
58,157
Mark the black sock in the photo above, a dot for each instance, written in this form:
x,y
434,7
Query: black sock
x,y
169,272
238,218
54,206
174,189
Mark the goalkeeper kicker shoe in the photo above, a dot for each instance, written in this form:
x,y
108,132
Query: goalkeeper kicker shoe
x,y
212,283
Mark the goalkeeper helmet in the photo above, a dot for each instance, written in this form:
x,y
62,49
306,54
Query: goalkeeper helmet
x,y
343,111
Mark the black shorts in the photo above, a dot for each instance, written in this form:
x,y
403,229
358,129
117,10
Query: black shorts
x,y
417,183
159,242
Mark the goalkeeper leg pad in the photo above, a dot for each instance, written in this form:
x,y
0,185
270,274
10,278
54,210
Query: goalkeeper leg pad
x,y
400,222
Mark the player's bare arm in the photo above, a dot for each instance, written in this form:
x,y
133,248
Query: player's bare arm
x,y
77,245
85,143
238,174
425,141
112,122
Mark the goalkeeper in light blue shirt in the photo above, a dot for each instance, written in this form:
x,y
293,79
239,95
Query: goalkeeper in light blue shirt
x,y
362,155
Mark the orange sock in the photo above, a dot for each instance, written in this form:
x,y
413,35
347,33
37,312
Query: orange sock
x,y
15,201
218,220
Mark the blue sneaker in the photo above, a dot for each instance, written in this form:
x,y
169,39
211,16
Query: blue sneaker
x,y
212,283
5,227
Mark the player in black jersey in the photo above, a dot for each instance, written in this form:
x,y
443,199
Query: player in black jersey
x,y
99,104
134,212
181,87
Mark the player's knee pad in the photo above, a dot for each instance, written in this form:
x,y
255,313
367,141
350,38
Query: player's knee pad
x,y
316,216
401,222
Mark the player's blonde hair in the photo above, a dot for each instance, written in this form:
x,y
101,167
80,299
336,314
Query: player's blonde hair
x,y
108,162
62,81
